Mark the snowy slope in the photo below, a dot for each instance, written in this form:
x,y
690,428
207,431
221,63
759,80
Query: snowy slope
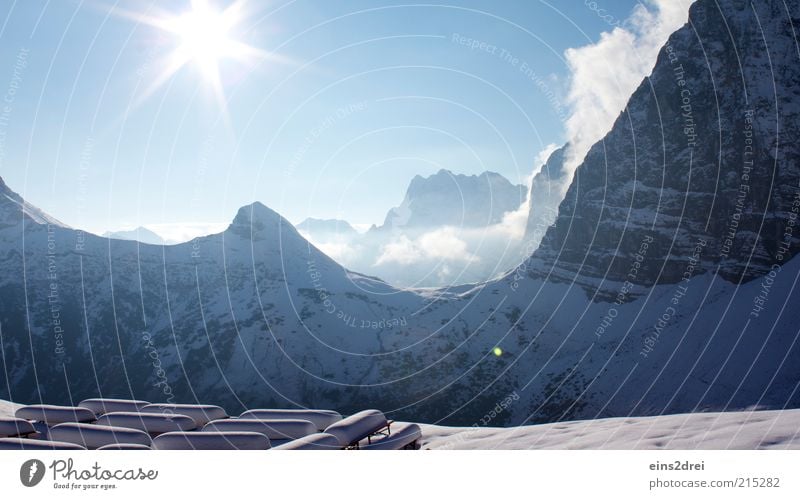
x,y
774,430
255,316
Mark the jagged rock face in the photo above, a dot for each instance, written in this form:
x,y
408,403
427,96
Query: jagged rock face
x,y
544,198
706,150
456,200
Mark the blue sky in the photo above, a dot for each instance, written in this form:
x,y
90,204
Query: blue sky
x,y
360,97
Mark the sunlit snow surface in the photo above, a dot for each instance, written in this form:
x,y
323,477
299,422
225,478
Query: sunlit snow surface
x,y
721,430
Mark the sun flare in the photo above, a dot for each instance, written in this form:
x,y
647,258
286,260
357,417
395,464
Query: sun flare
x,y
205,38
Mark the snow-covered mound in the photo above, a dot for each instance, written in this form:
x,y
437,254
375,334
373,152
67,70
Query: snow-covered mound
x,y
747,430
7,409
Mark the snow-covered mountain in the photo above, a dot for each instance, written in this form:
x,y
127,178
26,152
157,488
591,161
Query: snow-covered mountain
x,y
140,234
256,301
704,150
449,199
256,315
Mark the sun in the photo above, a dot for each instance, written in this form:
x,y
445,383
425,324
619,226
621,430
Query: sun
x,y
204,36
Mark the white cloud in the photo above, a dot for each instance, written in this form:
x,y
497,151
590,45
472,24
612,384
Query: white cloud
x,y
336,250
342,248
401,250
605,74
442,244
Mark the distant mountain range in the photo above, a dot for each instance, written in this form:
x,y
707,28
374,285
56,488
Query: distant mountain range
x,y
319,226
663,285
140,234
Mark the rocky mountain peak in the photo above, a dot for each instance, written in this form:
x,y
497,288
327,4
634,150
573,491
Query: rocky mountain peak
x,y
258,221
448,198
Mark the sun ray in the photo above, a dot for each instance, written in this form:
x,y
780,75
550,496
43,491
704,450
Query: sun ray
x,y
170,68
